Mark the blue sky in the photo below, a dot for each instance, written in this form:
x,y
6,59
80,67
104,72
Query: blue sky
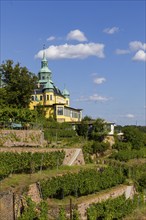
x,y
96,49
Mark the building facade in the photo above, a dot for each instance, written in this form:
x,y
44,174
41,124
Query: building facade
x,y
55,103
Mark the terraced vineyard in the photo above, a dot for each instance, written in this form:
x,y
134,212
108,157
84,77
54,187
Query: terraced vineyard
x,y
56,183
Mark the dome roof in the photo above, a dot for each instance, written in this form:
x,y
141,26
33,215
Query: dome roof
x,y
48,85
65,92
45,69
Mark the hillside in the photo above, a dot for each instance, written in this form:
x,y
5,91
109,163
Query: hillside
x,y
97,173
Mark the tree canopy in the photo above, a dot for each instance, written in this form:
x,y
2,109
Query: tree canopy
x,y
19,85
97,131
134,136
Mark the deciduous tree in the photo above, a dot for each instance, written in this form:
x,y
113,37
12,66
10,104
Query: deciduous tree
x,y
19,84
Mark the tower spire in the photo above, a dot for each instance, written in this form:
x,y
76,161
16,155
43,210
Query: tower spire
x,y
45,73
44,54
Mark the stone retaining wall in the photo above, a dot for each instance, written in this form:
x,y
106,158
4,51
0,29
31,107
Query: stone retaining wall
x,y
11,205
7,206
129,191
10,138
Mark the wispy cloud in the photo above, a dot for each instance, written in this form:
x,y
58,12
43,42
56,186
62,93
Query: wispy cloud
x,y
93,98
69,51
111,30
97,98
99,80
129,116
76,35
51,38
119,51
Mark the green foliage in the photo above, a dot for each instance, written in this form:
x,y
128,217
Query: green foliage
x,y
94,147
82,129
33,211
142,180
99,147
62,215
8,114
133,135
29,212
112,208
125,155
43,210
55,130
119,145
28,162
40,111
19,84
76,215
82,183
134,173
88,152
87,118
98,130
3,97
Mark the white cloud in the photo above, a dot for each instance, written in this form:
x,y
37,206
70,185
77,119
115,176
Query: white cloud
x,y
112,30
68,51
129,116
119,51
51,38
137,45
76,35
99,80
140,56
93,98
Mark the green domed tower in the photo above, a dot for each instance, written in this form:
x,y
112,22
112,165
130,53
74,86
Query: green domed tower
x,y
66,94
45,73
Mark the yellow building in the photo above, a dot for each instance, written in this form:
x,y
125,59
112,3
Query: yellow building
x,y
55,103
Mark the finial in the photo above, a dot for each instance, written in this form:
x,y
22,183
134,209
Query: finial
x,y
44,47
